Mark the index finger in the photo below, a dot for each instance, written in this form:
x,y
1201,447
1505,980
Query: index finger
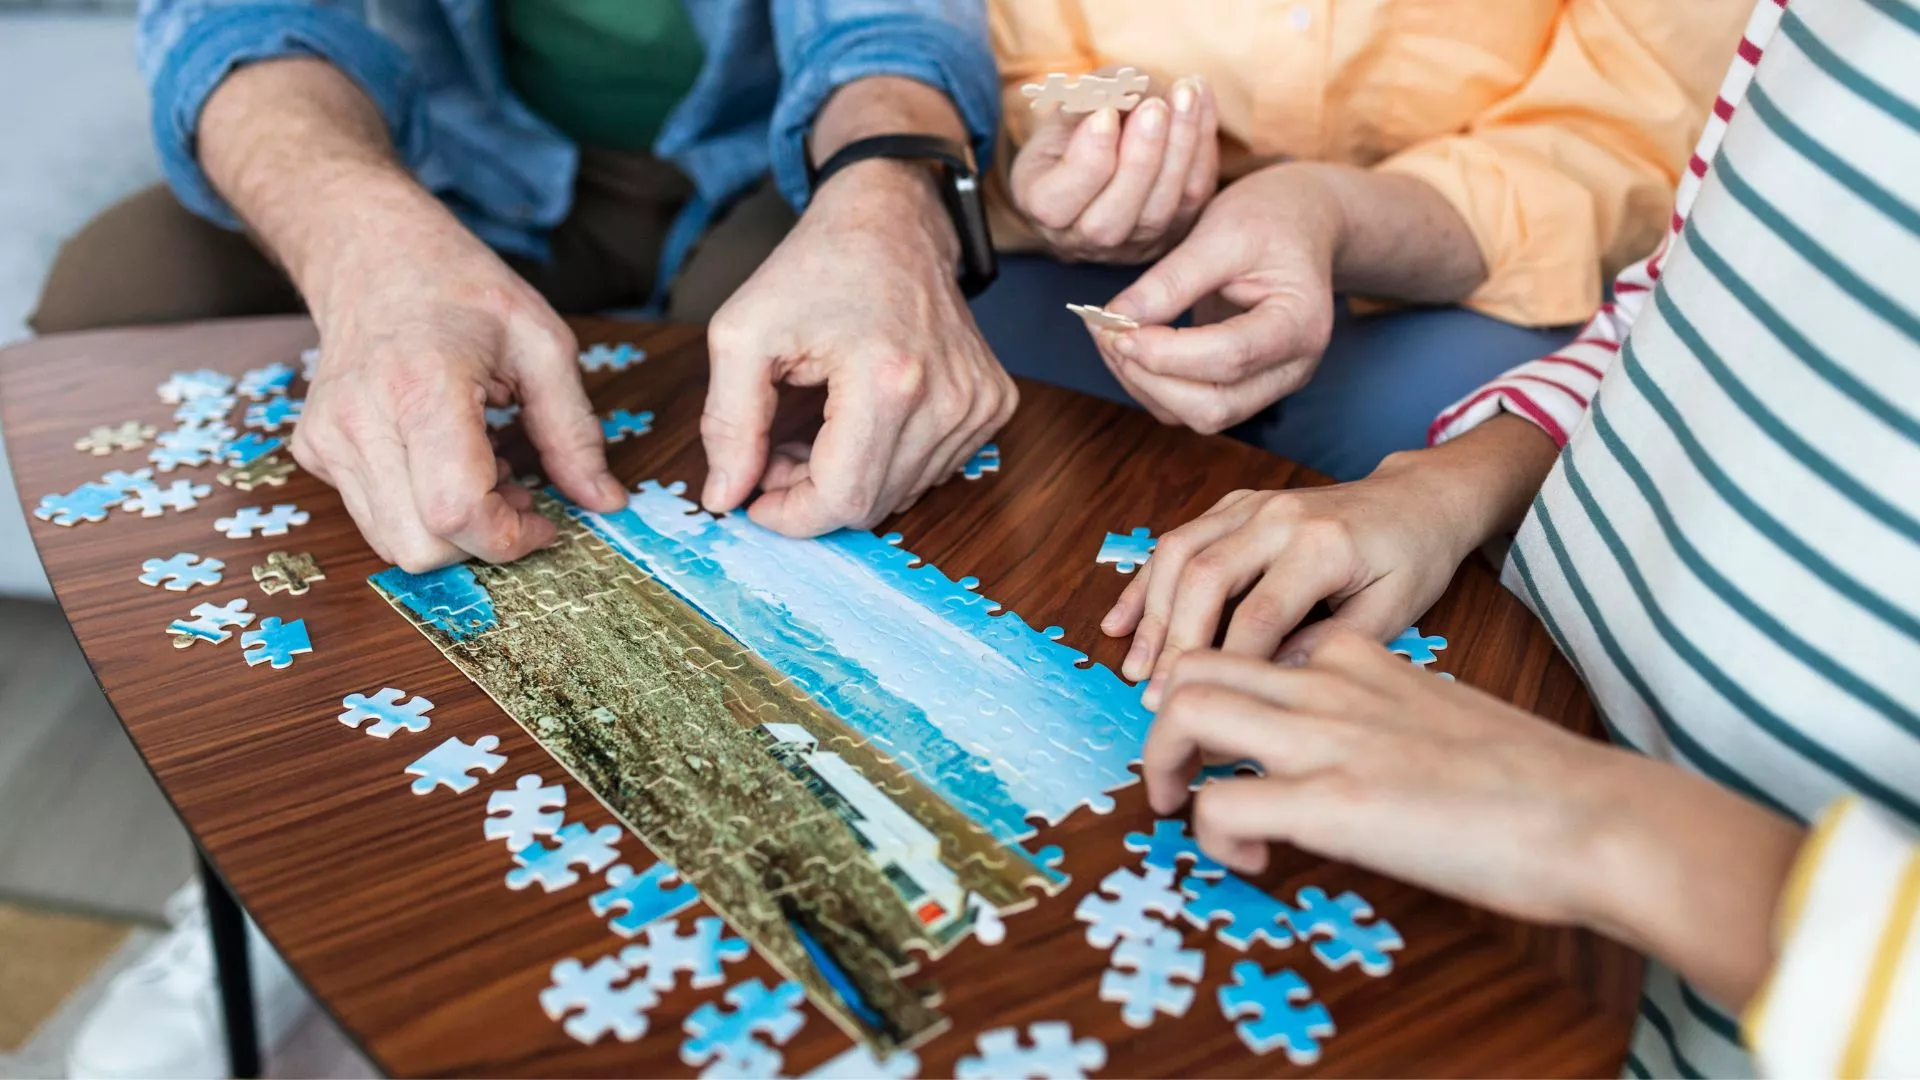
x,y
848,467
1271,332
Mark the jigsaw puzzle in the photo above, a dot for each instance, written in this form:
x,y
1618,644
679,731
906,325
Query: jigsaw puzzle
x,y
1417,647
1087,93
552,867
601,357
449,764
275,642
1346,938
89,502
620,423
984,460
208,410
210,623
598,1006
841,748
664,954
269,471
1152,975
183,385
388,713
1101,319
181,572
152,500
252,521
1250,913
249,448
1284,1014
273,415
1168,846
1125,905
264,382
498,417
1127,551
753,1009
1051,1053
285,572
642,899
526,813
102,441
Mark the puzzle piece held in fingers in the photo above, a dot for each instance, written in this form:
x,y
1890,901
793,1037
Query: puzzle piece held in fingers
x,y
1087,93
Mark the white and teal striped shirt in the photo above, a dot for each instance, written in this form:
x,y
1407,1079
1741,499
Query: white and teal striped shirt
x,y
1728,549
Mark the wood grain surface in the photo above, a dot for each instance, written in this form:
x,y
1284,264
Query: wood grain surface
x,y
392,907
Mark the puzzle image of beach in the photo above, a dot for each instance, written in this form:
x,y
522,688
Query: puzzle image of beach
x,y
846,751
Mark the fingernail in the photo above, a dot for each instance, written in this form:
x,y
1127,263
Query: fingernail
x,y
1105,121
1153,118
611,490
716,483
1136,656
1183,96
1150,697
1123,344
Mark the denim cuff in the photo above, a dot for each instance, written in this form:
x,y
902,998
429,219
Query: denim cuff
x,y
221,40
923,49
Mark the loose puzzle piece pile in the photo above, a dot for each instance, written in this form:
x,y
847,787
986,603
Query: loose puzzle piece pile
x,y
1088,93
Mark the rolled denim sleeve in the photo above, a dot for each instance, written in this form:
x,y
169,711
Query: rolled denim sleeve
x,y
825,44
187,47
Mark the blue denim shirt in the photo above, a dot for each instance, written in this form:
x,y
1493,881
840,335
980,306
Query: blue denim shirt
x,y
434,69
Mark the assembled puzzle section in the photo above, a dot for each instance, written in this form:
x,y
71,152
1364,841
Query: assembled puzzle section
x,y
848,772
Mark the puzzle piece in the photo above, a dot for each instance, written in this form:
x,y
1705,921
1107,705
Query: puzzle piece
x,y
1128,905
1347,939
552,866
1051,1053
501,416
531,811
1284,1014
310,363
251,521
858,1063
754,1061
386,712
1226,770
275,642
602,1007
1143,977
269,471
754,1008
984,460
274,414
610,357
101,441
699,953
642,898
1416,647
152,500
1127,551
200,438
206,382
1101,319
1250,912
264,382
208,410
88,502
181,572
1168,845
622,423
288,573
1087,93
125,481
169,458
250,448
210,622
449,763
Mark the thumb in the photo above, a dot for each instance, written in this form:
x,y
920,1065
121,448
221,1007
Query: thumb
x,y
560,422
734,427
1200,265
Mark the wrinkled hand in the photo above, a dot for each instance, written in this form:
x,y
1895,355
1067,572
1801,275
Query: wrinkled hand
x,y
860,298
1380,551
1374,761
1263,251
412,350
1098,188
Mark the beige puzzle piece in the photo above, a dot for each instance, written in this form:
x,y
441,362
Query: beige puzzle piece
x,y
288,573
103,440
1088,93
269,471
1101,319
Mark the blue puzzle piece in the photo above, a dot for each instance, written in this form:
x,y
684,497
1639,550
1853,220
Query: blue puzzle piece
x,y
88,502
1415,647
754,1009
611,357
1168,845
450,598
984,460
1250,913
643,898
386,712
1127,551
1152,975
209,410
185,385
599,1006
552,866
274,414
621,423
1284,1014
700,953
263,382
1050,1051
276,642
1347,939
181,572
250,448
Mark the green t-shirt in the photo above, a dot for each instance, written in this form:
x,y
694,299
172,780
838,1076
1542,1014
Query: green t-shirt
x,y
606,72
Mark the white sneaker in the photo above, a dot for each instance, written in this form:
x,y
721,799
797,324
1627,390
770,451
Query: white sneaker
x,y
162,1016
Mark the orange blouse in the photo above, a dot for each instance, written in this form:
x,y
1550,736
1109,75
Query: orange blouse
x,y
1557,128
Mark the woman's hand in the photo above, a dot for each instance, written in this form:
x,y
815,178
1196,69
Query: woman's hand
x,y
1103,188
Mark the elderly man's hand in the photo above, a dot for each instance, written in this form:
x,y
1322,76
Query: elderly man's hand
x,y
860,298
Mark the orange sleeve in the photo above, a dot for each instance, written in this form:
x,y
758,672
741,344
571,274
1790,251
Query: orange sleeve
x,y
1570,178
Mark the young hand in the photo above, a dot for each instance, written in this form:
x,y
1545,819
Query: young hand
x,y
1101,188
1376,762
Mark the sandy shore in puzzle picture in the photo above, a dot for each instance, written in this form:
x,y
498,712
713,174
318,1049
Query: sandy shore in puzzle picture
x,y
841,748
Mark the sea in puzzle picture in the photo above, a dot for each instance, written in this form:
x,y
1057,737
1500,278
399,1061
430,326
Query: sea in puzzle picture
x,y
843,750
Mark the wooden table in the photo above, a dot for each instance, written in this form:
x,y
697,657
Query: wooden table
x,y
391,907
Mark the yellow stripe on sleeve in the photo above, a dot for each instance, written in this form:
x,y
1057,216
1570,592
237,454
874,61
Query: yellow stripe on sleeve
x,y
1894,938
1793,903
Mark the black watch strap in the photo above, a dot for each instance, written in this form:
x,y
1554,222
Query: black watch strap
x,y
959,190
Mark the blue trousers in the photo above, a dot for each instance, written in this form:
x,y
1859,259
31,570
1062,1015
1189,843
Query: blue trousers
x,y
1383,379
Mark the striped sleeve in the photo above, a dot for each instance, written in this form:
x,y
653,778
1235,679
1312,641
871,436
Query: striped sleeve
x,y
1553,391
1843,998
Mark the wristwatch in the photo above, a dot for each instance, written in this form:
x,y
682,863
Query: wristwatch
x,y
959,190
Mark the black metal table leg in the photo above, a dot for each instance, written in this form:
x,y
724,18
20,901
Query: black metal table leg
x,y
228,924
